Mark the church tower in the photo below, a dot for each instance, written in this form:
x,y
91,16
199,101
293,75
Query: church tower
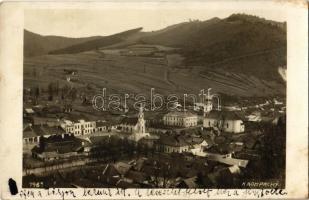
x,y
208,106
141,121
140,127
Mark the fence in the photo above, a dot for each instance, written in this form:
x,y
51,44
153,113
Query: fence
x,y
49,169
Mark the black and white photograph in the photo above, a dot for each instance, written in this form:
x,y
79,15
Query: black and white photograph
x,y
153,100
191,100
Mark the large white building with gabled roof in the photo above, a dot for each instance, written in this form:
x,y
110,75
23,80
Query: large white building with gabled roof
x,y
78,126
180,119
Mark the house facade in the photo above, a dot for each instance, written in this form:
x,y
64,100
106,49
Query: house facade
x,y
58,147
180,119
105,126
33,133
172,144
79,127
226,121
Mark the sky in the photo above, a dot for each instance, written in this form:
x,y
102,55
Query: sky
x,y
106,21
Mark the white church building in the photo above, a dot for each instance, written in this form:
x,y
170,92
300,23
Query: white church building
x,y
134,125
227,121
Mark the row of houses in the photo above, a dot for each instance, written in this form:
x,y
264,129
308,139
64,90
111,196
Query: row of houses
x,y
77,127
181,143
220,120
226,121
33,133
184,172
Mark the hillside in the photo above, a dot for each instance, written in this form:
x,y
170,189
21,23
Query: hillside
x,y
241,55
35,44
239,43
97,43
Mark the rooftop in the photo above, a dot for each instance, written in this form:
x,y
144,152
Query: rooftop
x,y
122,167
227,115
228,160
180,114
41,130
104,123
59,145
76,118
173,140
129,120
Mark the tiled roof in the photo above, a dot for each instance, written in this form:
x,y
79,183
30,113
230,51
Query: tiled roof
x,y
228,160
129,120
193,140
101,123
97,140
59,149
180,114
172,140
227,115
149,137
75,118
139,164
57,144
110,171
122,167
41,130
191,182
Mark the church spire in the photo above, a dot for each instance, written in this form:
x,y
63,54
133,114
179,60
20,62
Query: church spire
x,y
141,113
141,121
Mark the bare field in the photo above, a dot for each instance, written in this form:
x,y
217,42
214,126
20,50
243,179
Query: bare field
x,y
133,74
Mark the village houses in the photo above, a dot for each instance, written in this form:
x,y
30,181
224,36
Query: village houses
x,y
33,133
181,143
58,147
226,121
172,144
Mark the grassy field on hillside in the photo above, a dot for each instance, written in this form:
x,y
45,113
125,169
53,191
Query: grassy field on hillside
x,y
133,74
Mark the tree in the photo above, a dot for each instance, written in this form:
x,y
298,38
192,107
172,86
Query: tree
x,y
73,94
166,173
199,179
34,72
50,91
146,150
64,91
37,92
42,142
57,88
